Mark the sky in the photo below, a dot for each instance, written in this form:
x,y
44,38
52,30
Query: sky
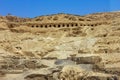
x,y
33,8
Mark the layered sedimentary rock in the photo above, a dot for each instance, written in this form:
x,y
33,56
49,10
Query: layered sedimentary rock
x,y
60,47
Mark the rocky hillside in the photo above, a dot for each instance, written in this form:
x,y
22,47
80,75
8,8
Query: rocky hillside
x,y
56,17
83,52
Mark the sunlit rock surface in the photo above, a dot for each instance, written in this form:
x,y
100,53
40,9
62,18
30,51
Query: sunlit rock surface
x,y
60,47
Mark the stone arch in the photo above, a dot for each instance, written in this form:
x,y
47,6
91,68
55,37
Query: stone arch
x,y
67,25
84,24
63,25
59,25
46,26
37,26
81,24
105,51
32,26
92,25
76,24
72,25
54,25
88,24
41,26
50,25
96,24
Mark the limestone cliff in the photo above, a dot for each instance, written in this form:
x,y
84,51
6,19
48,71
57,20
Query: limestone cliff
x,y
59,46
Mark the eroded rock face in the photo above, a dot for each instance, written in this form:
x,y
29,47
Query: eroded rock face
x,y
38,77
86,60
60,47
71,73
77,73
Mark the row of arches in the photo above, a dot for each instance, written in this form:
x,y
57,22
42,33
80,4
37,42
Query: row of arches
x,y
54,25
62,25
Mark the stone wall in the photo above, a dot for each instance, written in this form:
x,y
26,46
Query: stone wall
x,y
61,25
57,24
